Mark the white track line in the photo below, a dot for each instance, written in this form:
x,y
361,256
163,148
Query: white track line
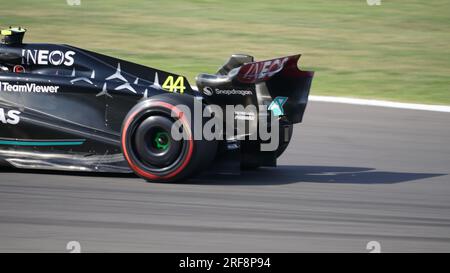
x,y
378,103
382,103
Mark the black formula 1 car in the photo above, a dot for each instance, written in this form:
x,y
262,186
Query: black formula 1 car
x,y
66,108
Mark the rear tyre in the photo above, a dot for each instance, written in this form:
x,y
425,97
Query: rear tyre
x,y
150,149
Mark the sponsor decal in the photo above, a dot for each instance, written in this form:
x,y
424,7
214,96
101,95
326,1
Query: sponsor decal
x,y
233,92
174,85
239,115
28,88
276,106
209,91
9,117
46,57
261,71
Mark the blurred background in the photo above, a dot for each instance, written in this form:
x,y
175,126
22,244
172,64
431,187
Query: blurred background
x,y
398,50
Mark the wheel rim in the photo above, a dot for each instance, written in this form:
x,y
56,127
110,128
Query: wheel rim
x,y
129,146
161,140
154,145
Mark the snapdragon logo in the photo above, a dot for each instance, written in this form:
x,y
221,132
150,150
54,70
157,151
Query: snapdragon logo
x,y
209,91
9,117
46,57
233,92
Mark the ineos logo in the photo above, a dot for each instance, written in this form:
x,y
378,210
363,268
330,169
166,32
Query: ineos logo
x,y
46,57
9,117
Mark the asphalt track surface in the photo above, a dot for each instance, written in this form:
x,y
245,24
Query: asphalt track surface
x,y
352,174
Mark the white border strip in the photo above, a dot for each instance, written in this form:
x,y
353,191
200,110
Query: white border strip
x,y
382,103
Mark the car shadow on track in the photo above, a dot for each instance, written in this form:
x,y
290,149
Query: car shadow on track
x,y
284,174
287,174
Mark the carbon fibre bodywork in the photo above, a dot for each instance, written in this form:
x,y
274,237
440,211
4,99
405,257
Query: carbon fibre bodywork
x,y
89,105
62,107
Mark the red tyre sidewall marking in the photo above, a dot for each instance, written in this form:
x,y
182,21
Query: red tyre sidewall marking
x,y
190,149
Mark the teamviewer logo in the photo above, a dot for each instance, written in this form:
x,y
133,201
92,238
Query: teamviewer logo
x,y
73,2
373,2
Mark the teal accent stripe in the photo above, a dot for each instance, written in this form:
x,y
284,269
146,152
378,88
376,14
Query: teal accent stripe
x,y
40,143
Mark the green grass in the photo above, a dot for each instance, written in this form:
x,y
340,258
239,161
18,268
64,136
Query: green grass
x,y
397,51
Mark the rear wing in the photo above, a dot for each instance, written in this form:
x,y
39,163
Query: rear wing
x,y
262,71
279,80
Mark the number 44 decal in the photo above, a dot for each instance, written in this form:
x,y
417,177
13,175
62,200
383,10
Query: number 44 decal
x,y
174,85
